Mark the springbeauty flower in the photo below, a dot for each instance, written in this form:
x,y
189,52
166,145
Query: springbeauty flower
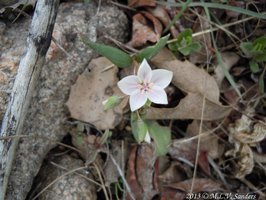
x,y
147,84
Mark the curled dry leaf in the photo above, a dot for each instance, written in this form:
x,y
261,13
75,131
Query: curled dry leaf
x,y
90,90
242,135
142,32
141,3
197,83
140,172
163,16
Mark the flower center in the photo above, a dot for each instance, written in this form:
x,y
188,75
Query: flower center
x,y
145,87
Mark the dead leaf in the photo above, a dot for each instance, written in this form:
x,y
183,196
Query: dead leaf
x,y
204,163
245,160
242,135
200,185
163,16
119,154
141,172
190,107
229,60
90,90
190,78
141,3
174,173
194,81
157,26
142,32
131,175
209,141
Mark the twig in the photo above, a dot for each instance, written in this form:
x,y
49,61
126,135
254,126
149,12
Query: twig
x,y
30,66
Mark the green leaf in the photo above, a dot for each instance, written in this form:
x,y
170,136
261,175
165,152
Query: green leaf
x,y
195,47
185,50
112,102
105,136
116,56
161,136
151,51
246,47
139,127
254,67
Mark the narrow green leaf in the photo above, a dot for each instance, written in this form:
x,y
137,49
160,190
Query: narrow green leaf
x,y
217,6
151,51
161,136
139,127
105,136
116,56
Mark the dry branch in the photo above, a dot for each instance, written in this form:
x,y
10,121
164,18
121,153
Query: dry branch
x,y
30,66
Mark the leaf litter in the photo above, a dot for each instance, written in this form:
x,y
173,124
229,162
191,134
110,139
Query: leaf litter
x,y
202,91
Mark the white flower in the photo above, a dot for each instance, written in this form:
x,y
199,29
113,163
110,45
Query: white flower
x,y
148,84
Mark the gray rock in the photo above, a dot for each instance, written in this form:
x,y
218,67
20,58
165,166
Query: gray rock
x,y
45,123
75,185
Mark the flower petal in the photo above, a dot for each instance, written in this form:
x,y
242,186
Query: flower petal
x,y
137,100
129,85
157,95
161,77
145,72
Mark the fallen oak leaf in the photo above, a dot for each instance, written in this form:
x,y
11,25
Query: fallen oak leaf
x,y
90,90
190,107
189,77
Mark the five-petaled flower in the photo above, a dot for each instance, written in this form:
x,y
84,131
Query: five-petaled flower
x,y
147,84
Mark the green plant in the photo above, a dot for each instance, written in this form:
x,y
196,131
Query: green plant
x,y
184,43
256,51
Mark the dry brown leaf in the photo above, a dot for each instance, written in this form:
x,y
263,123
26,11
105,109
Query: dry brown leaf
x,y
174,173
245,160
242,135
142,32
141,3
209,141
90,90
229,60
200,185
140,172
194,81
157,26
189,77
163,16
190,107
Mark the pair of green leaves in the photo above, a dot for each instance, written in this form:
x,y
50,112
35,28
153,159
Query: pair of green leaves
x,y
160,134
256,51
184,43
122,59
